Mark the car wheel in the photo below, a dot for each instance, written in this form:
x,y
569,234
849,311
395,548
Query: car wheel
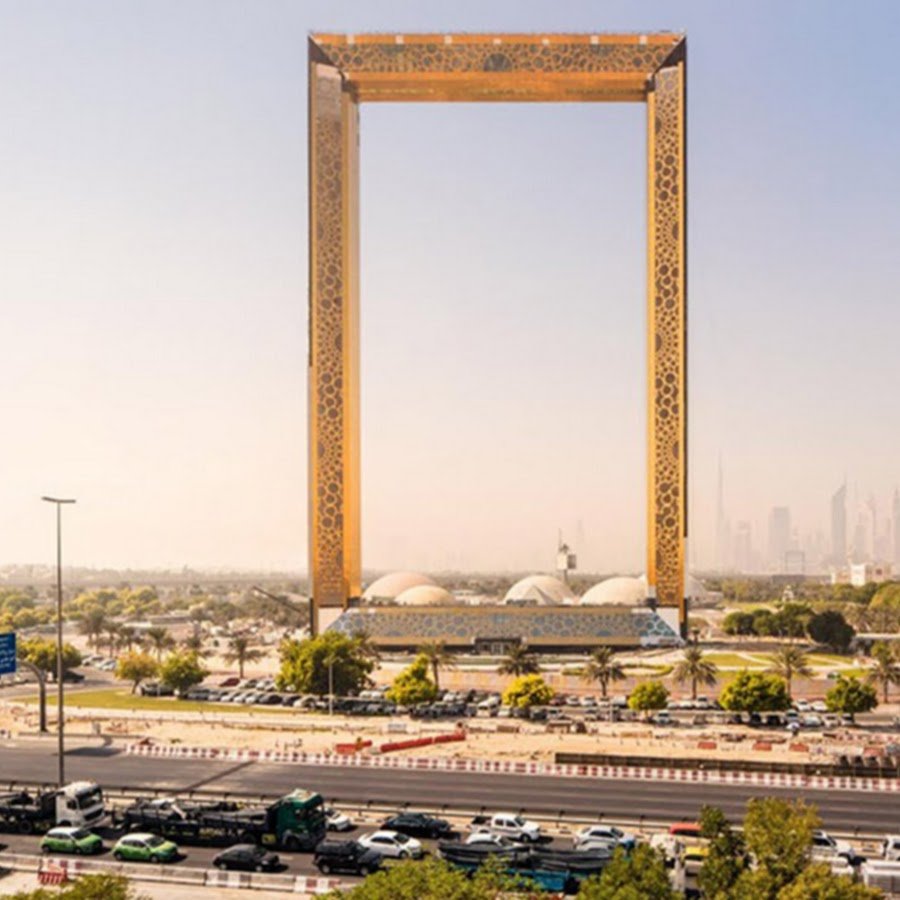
x,y
291,843
324,868
26,826
403,855
154,858
222,867
370,870
118,856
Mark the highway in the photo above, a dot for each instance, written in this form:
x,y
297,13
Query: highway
x,y
841,811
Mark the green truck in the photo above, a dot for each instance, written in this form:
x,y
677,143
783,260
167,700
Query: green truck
x,y
294,822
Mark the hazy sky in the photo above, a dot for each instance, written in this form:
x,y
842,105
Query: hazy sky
x,y
154,274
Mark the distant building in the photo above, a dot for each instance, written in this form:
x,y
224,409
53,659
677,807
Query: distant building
x,y
839,526
861,574
743,548
794,562
896,516
779,537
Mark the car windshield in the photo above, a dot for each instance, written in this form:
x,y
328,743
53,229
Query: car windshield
x,y
81,834
616,832
519,821
401,838
89,798
154,841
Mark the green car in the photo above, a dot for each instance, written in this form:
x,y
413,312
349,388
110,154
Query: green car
x,y
145,848
71,840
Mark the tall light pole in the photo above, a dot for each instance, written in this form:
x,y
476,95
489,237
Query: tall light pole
x,y
61,770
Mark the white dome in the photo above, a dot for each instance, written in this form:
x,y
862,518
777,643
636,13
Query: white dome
x,y
425,595
541,590
620,591
388,587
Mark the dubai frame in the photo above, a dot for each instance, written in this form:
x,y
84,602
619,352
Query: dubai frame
x,y
346,70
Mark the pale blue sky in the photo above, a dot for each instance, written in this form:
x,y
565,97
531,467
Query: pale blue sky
x,y
153,176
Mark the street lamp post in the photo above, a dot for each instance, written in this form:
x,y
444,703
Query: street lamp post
x,y
61,768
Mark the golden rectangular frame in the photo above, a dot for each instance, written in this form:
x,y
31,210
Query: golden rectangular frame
x,y
346,70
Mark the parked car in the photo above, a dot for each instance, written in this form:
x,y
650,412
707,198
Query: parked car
x,y
603,834
337,821
819,706
231,682
71,840
346,856
140,847
418,825
392,844
485,838
811,720
247,858
155,689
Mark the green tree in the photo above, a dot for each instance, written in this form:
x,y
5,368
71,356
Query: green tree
x,y
885,670
603,668
726,858
136,667
528,690
93,621
830,628
413,685
755,692
429,879
439,657
195,643
818,882
128,638
160,640
305,664
86,887
182,670
738,623
790,661
242,651
850,696
696,669
640,875
648,696
41,652
778,834
519,660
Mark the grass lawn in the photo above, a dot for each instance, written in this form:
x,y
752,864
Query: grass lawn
x,y
737,660
831,660
122,698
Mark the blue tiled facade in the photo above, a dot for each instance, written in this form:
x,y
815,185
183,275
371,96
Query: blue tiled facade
x,y
556,626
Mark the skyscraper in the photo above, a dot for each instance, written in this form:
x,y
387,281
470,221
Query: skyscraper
x,y
723,530
839,526
743,548
779,537
896,517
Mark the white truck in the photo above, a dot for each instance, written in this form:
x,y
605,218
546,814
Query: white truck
x,y
507,825
825,847
78,804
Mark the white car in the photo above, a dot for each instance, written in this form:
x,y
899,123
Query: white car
x,y
602,834
824,845
483,838
337,821
819,706
802,706
392,844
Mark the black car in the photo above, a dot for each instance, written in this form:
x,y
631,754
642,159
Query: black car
x,y
155,689
418,825
247,857
346,856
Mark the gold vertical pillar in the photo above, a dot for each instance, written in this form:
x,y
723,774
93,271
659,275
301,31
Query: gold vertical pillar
x,y
667,340
334,514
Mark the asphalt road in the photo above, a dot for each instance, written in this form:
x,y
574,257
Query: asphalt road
x,y
841,811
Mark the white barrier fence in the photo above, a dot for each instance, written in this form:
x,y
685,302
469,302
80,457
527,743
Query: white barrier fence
x,y
72,868
697,775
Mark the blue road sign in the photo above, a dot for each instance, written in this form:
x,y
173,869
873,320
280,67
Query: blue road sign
x,y
8,653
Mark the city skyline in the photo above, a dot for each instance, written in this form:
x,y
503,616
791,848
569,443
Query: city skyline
x,y
156,259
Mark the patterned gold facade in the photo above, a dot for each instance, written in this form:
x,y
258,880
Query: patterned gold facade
x,y
346,70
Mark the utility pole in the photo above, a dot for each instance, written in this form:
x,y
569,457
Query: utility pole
x,y
60,712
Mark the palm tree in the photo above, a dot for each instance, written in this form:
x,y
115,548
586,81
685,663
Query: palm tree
x,y
788,662
886,670
159,639
92,624
195,644
242,651
112,634
696,669
519,660
438,656
128,638
603,668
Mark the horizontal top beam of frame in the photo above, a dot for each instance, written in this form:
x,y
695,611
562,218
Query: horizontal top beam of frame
x,y
497,67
